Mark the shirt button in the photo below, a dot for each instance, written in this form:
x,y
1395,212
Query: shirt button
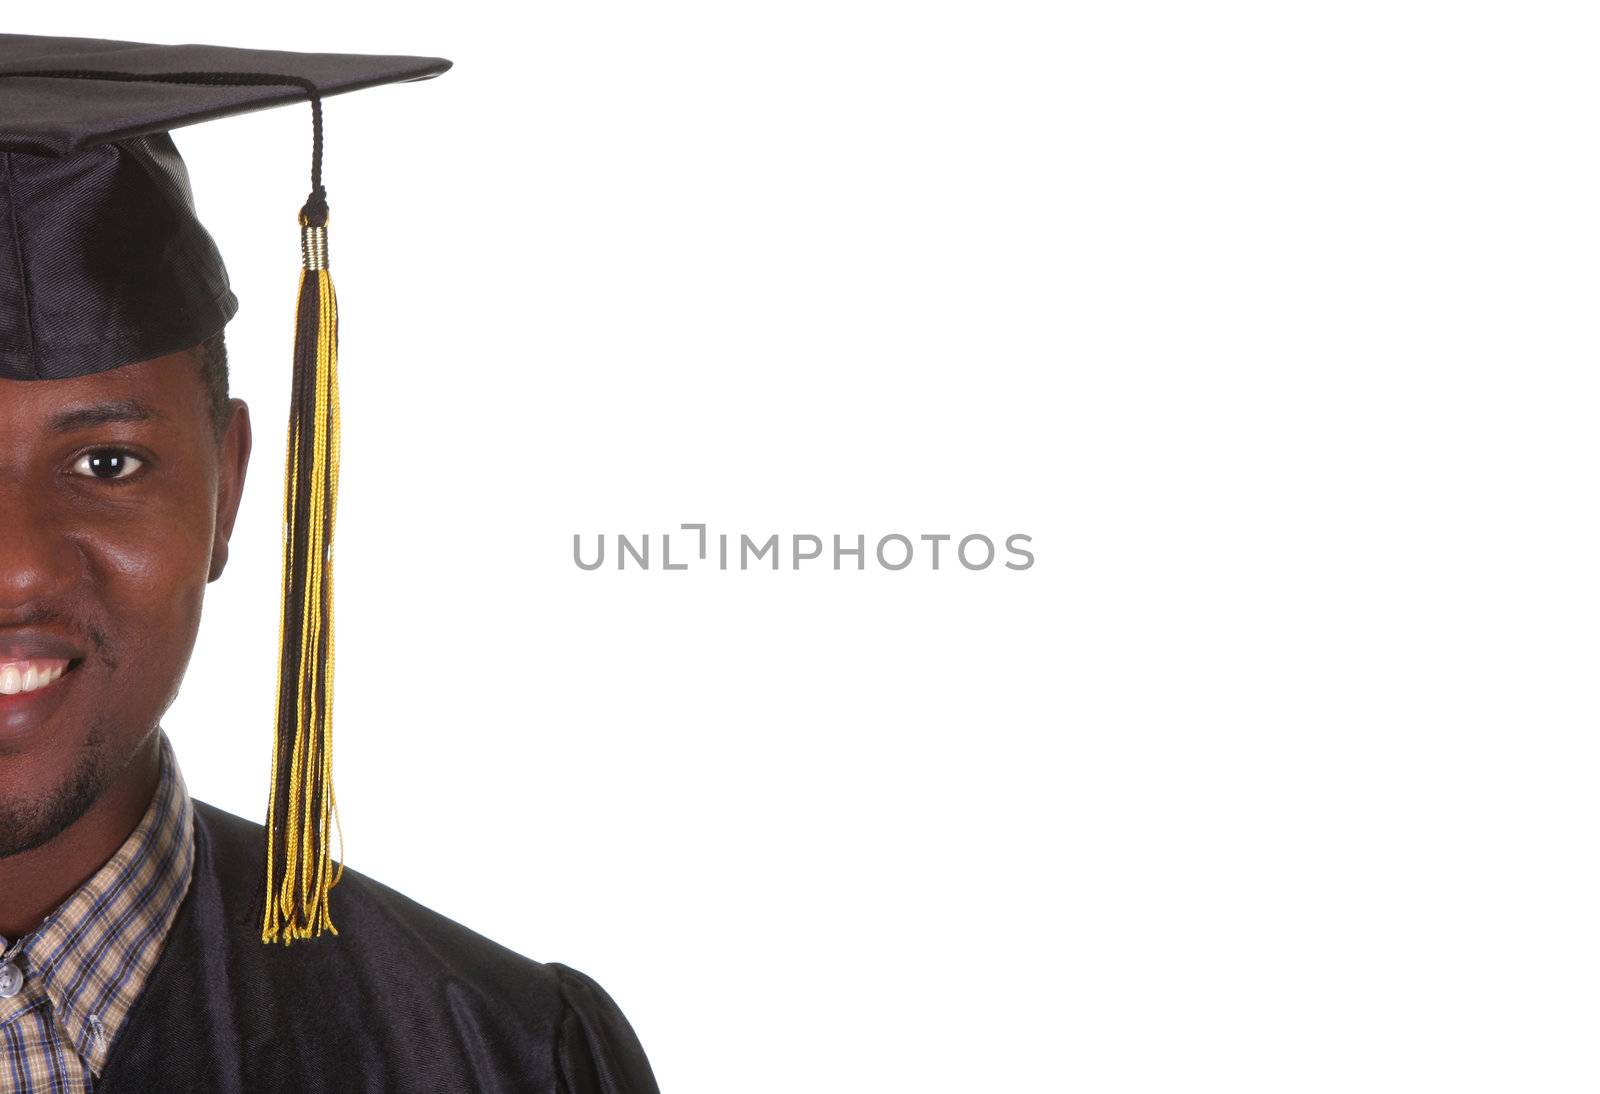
x,y
10,980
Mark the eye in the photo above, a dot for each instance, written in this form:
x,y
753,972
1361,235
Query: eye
x,y
107,463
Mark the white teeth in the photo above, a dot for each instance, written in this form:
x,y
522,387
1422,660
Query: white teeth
x,y
20,676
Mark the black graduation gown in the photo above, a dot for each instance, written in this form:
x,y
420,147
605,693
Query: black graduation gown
x,y
402,1000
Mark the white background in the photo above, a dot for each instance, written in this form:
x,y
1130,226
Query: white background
x,y
1273,324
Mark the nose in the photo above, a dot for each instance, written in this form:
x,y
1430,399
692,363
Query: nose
x,y
38,561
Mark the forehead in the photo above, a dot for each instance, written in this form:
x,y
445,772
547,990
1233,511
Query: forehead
x,y
168,389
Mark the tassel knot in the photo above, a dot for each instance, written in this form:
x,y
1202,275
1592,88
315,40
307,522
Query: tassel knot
x,y
315,211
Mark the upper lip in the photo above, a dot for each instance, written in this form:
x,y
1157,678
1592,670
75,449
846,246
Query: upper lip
x,y
24,644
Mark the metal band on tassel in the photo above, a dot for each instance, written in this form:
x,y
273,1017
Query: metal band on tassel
x,y
314,246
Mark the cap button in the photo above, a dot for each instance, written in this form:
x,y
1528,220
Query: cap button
x,y
10,980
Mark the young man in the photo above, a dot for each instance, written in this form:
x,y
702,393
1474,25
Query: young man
x,y
132,917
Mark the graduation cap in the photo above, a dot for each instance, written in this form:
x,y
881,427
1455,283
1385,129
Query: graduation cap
x,y
103,263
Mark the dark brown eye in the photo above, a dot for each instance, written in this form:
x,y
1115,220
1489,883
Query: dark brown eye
x,y
107,463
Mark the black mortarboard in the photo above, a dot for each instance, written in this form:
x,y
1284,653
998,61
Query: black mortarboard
x,y
103,263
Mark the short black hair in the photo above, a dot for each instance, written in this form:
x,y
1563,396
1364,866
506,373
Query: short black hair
x,y
212,358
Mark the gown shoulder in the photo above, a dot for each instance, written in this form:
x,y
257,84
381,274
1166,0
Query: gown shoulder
x,y
403,998
599,1052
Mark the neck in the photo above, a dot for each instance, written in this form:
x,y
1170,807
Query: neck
x,y
35,883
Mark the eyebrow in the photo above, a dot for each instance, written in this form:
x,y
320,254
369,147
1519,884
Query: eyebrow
x,y
122,410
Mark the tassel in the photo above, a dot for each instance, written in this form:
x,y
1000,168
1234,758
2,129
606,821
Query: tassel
x,y
299,863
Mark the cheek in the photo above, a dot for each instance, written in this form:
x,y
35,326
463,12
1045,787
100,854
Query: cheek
x,y
147,567
159,576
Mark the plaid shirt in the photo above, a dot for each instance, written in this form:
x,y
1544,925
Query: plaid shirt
x,y
84,966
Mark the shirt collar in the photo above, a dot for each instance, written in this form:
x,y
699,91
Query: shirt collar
x,y
94,953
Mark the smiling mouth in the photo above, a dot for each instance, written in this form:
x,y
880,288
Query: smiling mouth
x,y
33,674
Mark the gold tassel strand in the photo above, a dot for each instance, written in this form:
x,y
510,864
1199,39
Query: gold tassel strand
x,y
299,871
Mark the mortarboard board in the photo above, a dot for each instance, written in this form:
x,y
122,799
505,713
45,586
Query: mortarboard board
x,y
104,263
